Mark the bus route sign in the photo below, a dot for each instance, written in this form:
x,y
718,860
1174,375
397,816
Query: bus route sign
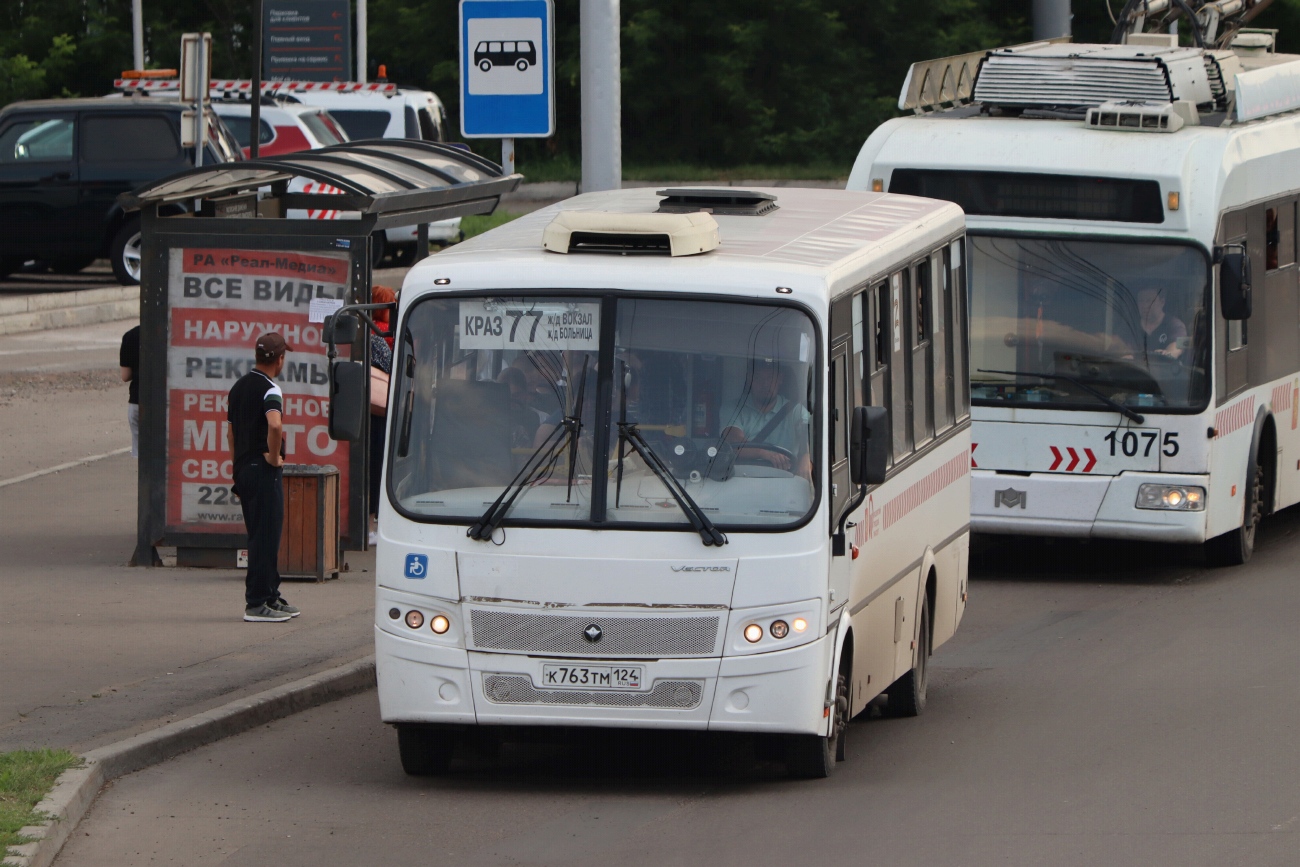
x,y
507,68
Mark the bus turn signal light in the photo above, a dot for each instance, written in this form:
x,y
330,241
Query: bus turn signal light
x,y
800,624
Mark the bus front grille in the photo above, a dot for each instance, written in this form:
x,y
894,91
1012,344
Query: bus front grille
x,y
566,635
517,689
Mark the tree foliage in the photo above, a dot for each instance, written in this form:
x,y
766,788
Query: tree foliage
x,y
724,83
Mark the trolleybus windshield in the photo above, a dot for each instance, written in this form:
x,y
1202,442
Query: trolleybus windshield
x,y
719,394
1127,319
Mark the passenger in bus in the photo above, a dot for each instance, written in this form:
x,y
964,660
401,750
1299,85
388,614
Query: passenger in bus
x,y
1163,333
767,418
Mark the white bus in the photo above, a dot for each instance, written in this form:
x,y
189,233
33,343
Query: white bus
x,y
690,460
1119,199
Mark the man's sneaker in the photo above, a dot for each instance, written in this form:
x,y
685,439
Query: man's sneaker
x,y
283,607
265,614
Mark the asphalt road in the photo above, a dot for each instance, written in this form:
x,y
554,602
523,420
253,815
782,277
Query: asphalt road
x,y
1101,704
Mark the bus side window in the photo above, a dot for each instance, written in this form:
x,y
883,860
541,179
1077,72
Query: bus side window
x,y
922,354
878,321
942,352
1279,222
956,255
900,290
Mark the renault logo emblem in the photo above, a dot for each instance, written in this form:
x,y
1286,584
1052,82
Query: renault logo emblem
x,y
593,633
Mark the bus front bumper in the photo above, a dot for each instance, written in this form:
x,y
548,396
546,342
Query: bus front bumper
x,y
780,692
1073,505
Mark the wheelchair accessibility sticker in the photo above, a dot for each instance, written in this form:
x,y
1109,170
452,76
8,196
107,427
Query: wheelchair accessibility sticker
x,y
417,565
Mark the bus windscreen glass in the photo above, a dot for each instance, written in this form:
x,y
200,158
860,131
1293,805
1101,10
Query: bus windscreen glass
x,y
1038,196
1052,316
719,393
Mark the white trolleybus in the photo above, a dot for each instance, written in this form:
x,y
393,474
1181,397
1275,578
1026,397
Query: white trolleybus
x,y
1123,201
689,460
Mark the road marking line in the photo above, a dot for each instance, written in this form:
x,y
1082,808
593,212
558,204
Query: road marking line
x,y
69,465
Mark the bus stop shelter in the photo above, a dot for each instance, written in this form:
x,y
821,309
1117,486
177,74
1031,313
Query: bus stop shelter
x,y
234,249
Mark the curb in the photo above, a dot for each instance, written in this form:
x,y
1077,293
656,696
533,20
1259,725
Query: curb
x,y
75,790
41,311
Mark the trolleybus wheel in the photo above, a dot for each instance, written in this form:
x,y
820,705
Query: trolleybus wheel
x,y
907,694
814,756
425,750
1235,547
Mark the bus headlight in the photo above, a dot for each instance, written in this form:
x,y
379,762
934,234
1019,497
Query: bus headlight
x,y
1171,498
773,627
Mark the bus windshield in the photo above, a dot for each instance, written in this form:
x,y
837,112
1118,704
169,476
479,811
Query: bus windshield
x,y
719,395
1054,320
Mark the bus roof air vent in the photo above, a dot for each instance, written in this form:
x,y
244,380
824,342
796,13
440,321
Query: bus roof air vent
x,y
730,203
631,234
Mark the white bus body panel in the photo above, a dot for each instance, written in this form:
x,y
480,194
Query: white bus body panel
x,y
824,244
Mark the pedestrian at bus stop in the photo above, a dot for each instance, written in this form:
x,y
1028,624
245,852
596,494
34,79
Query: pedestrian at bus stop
x,y
128,357
257,434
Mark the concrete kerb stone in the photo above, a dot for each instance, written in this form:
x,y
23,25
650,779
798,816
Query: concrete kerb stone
x,y
75,791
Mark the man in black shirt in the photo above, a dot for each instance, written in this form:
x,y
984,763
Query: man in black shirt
x,y
257,432
128,358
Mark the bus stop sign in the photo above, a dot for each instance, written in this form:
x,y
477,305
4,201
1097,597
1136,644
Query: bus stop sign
x,y
507,68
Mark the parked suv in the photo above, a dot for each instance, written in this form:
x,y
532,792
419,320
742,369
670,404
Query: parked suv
x,y
63,163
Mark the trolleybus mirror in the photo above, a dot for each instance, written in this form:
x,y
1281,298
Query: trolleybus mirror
x,y
869,453
339,328
1234,282
349,407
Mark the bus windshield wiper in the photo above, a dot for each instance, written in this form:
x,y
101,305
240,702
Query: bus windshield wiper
x,y
629,433
1120,408
539,464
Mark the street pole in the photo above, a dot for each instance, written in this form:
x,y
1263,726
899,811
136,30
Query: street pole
x,y
137,33
255,110
362,59
1051,18
602,137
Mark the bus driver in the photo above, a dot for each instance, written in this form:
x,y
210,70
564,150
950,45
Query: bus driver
x,y
767,421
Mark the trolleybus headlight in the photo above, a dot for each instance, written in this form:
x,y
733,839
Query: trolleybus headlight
x,y
1176,498
779,629
414,619
799,624
753,633
439,624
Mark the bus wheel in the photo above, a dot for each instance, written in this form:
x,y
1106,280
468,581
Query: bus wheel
x,y
425,750
813,757
1235,547
907,695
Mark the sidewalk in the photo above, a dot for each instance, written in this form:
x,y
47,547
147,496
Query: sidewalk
x,y
95,651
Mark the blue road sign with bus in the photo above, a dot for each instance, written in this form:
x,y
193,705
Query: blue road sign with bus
x,y
507,68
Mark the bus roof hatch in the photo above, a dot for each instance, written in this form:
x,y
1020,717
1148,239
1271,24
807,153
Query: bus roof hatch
x,y
631,234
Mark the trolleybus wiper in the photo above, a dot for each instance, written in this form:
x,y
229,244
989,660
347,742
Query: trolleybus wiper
x,y
539,463
1113,404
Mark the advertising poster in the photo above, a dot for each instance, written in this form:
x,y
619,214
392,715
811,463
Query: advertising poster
x,y
220,302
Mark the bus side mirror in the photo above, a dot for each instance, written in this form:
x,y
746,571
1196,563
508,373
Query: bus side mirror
x,y
349,406
1234,282
869,447
339,329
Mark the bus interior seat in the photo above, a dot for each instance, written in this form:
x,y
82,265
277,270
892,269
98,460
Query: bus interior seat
x,y
471,434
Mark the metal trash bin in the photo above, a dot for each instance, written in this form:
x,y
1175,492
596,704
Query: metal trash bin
x,y
309,543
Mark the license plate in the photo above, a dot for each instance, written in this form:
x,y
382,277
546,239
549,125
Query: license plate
x,y
624,677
